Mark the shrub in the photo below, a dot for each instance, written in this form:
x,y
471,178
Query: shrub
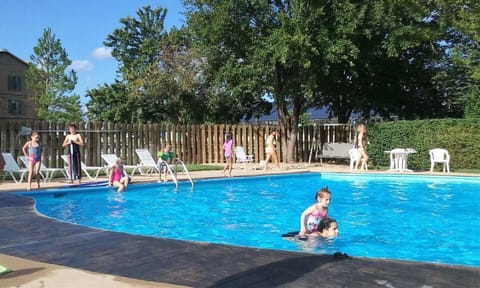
x,y
459,136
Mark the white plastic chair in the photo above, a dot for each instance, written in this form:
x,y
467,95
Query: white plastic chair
x,y
12,168
354,158
46,173
86,169
439,155
111,159
242,157
146,162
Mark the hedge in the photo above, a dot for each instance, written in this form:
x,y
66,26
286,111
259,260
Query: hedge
x,y
460,137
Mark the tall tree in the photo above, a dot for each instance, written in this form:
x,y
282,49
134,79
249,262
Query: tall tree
x,y
461,21
109,102
161,71
51,84
369,56
257,50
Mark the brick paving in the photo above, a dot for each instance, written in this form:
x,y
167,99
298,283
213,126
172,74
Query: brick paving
x,y
28,235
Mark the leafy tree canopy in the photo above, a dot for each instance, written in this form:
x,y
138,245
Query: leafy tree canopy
x,y
51,83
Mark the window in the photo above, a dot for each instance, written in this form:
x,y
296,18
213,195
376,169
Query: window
x,y
14,83
14,106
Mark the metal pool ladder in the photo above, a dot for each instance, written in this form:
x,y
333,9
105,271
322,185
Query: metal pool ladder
x,y
173,172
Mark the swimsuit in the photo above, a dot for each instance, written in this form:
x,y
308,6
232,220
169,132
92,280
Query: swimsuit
x,y
74,162
270,147
116,175
314,219
34,153
166,155
227,146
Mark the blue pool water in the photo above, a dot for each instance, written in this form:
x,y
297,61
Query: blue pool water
x,y
429,219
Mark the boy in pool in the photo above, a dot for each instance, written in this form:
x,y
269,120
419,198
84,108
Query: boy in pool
x,y
310,218
328,228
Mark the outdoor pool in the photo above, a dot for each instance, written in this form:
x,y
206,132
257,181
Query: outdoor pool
x,y
419,218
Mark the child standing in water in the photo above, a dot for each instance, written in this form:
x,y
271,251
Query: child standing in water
x,y
73,141
311,217
118,177
228,153
33,151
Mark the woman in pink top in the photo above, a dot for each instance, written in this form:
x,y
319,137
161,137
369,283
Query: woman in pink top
x,y
311,217
228,152
117,176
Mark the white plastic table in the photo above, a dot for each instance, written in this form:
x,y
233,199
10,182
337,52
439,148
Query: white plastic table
x,y
399,159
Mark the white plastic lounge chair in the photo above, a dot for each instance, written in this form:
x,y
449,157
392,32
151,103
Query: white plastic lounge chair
x,y
86,169
12,168
46,173
354,158
439,155
147,163
242,157
111,160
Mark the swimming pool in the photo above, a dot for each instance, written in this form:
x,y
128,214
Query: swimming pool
x,y
429,219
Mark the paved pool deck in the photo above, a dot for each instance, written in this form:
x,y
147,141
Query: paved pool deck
x,y
44,252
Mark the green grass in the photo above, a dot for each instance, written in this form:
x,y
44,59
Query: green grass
x,y
203,167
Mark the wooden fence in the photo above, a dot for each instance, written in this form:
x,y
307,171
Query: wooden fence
x,y
195,144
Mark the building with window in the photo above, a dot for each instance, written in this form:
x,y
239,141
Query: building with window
x,y
15,99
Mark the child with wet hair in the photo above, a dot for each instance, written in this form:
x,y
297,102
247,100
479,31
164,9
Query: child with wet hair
x,y
311,217
328,228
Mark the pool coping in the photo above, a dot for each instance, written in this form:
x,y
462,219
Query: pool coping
x,y
27,234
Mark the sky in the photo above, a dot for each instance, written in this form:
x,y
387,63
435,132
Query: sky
x,y
81,26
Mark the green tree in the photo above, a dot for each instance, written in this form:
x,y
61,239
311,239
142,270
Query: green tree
x,y
51,83
461,21
110,103
384,57
161,71
257,50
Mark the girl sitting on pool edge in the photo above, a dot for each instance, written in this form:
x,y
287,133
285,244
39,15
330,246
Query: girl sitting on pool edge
x,y
118,177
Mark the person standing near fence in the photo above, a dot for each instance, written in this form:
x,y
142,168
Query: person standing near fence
x,y
361,145
73,141
228,153
33,152
271,149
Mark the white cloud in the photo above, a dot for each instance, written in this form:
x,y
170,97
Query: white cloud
x,y
102,52
81,65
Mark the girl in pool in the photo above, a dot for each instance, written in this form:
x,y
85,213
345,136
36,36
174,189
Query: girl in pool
x,y
118,177
33,151
311,217
228,152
